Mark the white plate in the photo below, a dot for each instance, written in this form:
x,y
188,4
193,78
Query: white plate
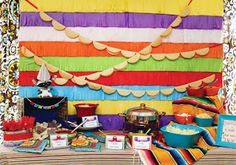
x,y
89,128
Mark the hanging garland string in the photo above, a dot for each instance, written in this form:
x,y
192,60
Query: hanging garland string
x,y
108,72
112,50
80,81
133,57
48,107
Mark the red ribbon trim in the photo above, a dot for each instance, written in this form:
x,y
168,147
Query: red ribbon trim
x,y
58,138
33,5
114,139
19,136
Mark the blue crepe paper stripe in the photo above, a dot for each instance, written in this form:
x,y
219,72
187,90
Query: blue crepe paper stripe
x,y
76,93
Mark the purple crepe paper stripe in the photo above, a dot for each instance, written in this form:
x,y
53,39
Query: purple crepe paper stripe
x,y
125,20
115,122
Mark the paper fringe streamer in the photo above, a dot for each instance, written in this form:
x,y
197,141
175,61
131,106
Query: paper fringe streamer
x,y
133,57
112,50
48,107
119,67
81,81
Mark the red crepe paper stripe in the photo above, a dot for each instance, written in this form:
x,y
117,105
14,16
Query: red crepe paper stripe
x,y
134,78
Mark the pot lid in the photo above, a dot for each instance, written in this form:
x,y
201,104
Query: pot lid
x,y
142,110
143,113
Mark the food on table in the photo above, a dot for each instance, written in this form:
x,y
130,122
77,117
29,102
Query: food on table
x,y
184,118
80,142
176,130
83,140
84,106
203,115
183,114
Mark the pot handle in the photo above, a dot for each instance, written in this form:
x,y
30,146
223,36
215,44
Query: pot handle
x,y
161,114
122,114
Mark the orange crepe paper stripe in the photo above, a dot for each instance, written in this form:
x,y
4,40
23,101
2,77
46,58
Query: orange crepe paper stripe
x,y
77,49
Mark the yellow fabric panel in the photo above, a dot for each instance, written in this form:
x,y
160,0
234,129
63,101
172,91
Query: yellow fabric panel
x,y
115,107
198,7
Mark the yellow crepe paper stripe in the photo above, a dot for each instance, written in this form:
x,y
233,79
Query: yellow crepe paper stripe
x,y
198,7
109,90
115,107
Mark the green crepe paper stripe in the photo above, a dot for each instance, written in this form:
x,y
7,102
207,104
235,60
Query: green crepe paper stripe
x,y
102,63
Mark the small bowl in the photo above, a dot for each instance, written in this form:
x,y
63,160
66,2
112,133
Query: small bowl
x,y
204,122
184,118
181,140
85,109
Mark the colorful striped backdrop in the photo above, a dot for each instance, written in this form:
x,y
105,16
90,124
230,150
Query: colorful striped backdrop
x,y
128,25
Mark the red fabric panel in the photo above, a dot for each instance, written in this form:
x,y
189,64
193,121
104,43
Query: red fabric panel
x,y
135,78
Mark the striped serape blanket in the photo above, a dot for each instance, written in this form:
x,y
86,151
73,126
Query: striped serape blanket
x,y
165,155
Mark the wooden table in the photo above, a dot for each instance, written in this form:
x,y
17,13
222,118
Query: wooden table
x,y
219,156
64,156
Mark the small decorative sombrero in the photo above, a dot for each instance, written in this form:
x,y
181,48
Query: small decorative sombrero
x,y
43,77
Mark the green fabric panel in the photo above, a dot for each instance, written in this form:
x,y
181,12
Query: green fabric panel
x,y
202,100
102,63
